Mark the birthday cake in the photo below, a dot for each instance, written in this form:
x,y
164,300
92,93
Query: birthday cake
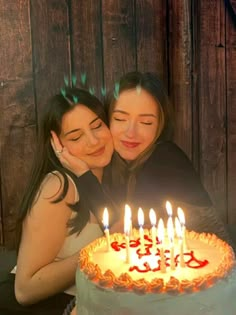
x,y
109,283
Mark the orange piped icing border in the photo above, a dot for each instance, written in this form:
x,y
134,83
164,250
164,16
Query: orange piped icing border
x,y
125,283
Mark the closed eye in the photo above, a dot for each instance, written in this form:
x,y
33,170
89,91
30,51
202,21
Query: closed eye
x,y
97,126
119,119
75,139
146,123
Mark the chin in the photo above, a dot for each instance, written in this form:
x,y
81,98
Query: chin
x,y
128,158
127,155
102,163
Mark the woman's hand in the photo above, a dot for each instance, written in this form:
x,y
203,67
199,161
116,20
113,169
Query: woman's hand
x,y
69,161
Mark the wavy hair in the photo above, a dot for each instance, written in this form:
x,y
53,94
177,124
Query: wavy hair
x,y
123,172
45,160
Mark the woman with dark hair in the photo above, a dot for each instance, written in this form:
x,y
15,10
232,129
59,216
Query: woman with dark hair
x,y
147,168
55,221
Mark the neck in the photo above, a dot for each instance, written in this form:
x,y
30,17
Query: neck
x,y
98,172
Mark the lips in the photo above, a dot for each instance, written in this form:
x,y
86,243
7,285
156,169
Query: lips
x,y
98,152
129,144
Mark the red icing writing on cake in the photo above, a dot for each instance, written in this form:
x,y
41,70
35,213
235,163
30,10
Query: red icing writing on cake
x,y
190,260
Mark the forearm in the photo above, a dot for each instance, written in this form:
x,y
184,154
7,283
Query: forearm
x,y
49,280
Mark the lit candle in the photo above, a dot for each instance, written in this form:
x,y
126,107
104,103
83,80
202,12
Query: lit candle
x,y
161,233
169,208
153,220
141,223
180,236
127,234
170,231
182,222
129,217
106,228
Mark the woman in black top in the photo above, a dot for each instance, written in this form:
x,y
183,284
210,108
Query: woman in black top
x,y
147,168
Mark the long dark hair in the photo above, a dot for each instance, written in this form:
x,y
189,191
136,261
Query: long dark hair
x,y
45,160
121,171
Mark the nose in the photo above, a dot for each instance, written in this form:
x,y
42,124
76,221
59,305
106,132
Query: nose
x,y
131,129
92,139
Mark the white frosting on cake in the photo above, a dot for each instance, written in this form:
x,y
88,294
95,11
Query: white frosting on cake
x,y
94,300
116,261
209,290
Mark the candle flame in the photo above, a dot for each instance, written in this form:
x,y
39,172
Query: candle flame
x,y
160,230
152,216
181,216
169,208
128,211
178,228
105,219
127,219
140,217
170,229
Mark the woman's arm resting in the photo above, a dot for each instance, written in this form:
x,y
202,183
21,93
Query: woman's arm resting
x,y
38,276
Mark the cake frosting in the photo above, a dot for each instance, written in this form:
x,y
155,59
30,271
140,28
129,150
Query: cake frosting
x,y
205,285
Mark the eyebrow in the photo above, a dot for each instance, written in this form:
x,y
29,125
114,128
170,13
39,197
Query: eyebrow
x,y
78,129
125,113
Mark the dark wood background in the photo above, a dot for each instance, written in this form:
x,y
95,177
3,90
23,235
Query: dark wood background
x,y
190,44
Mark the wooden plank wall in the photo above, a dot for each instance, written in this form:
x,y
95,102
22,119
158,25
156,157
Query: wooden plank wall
x,y
230,59
190,44
212,101
17,106
180,77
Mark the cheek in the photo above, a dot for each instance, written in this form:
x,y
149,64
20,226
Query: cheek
x,y
150,135
75,149
107,138
104,134
115,131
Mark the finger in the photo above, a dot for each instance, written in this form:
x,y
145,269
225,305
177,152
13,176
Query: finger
x,y
73,163
56,151
63,161
56,142
53,145
67,154
52,140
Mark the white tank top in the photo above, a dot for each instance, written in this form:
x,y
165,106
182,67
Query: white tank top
x,y
75,242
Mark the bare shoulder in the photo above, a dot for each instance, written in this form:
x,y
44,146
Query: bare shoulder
x,y
53,185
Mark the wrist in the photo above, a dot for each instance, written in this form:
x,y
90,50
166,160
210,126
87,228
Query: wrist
x,y
82,172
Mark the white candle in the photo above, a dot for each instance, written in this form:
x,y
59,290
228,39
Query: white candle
x,y
141,232
170,231
106,227
153,220
127,234
181,253
161,233
129,217
182,222
169,208
180,236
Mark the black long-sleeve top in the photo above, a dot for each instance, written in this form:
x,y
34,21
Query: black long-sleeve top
x,y
168,174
